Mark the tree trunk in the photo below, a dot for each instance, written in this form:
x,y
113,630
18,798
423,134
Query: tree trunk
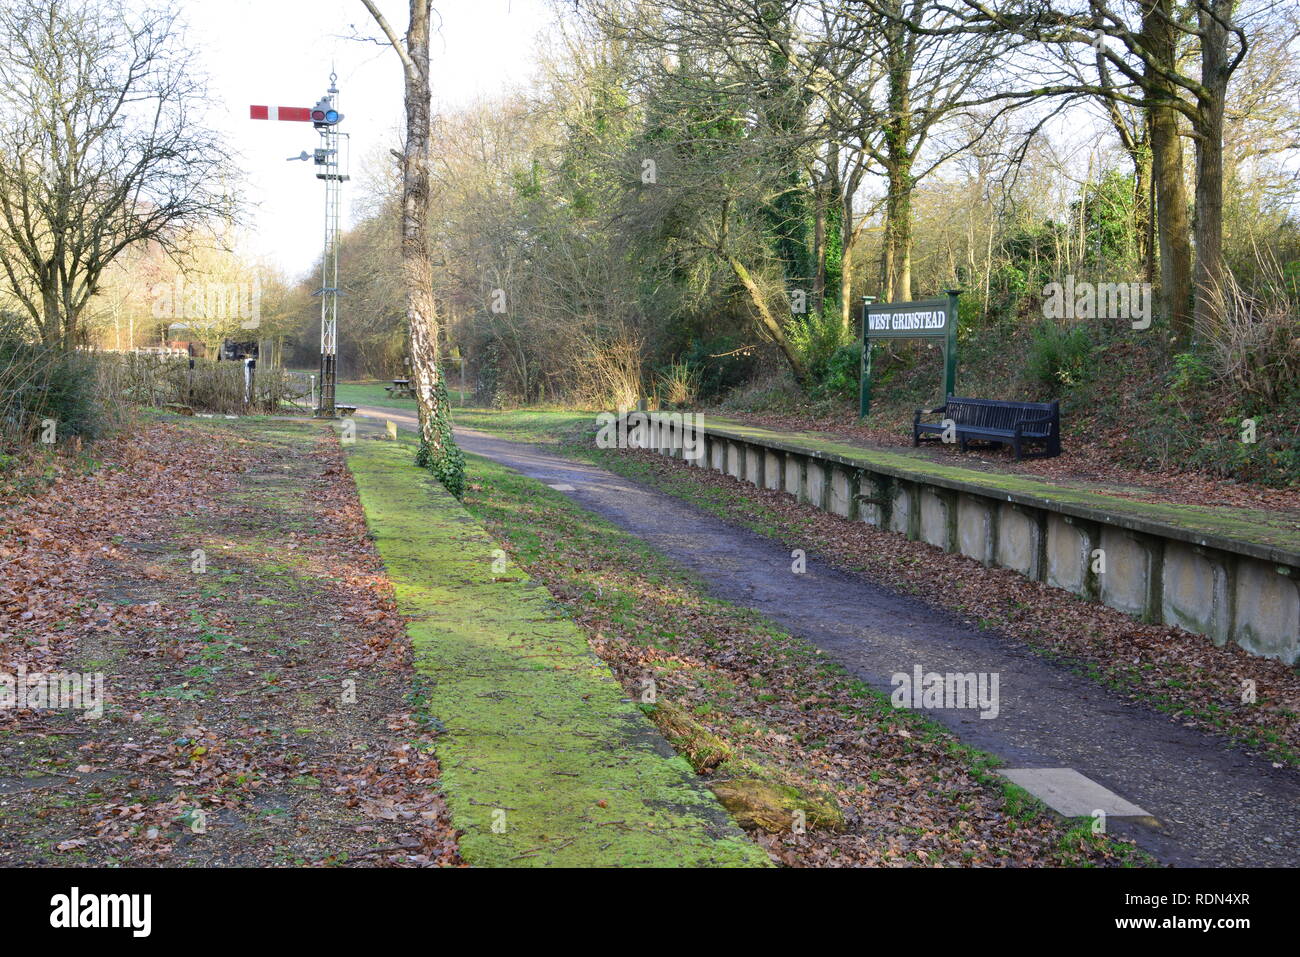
x,y
51,316
1167,175
1173,227
438,449
903,238
819,248
1145,255
896,254
896,257
1209,165
417,273
887,253
1152,260
848,246
768,321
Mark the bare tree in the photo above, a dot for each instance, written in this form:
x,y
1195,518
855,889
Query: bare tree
x,y
1149,36
99,150
438,450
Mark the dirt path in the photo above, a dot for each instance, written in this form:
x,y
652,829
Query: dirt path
x,y
1215,806
258,681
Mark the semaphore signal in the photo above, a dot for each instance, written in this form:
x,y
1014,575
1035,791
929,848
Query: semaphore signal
x,y
296,114
331,163
324,114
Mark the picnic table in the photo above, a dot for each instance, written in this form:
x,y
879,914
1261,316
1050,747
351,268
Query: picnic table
x,y
401,388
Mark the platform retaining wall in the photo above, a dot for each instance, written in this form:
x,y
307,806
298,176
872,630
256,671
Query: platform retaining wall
x,y
1229,590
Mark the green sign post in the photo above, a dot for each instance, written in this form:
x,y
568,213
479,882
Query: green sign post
x,y
926,319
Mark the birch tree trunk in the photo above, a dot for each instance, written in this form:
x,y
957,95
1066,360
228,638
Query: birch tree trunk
x,y
438,450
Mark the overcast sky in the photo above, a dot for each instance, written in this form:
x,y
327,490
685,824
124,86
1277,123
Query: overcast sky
x,y
280,52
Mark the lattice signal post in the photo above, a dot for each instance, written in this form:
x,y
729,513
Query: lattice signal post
x,y
331,161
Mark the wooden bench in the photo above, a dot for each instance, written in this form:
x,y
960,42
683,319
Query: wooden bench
x,y
992,420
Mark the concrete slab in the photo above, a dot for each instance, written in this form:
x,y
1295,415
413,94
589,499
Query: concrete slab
x,y
559,748
900,516
753,465
815,494
1071,794
794,475
1196,593
841,494
1018,541
1268,610
936,518
773,469
1068,548
1127,583
735,460
975,528
872,492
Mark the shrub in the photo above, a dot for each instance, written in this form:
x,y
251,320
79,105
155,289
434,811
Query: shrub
x,y
842,373
817,336
39,382
1191,373
609,373
679,385
1059,356
141,379
1255,347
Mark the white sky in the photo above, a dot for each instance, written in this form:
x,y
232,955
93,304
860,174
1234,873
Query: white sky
x,y
280,52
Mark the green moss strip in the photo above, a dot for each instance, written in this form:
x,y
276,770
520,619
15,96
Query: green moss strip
x,y
545,762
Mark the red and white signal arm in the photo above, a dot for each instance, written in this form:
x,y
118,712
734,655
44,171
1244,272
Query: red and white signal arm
x,y
296,114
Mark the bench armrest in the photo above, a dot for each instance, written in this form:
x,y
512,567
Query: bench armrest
x,y
1036,420
934,411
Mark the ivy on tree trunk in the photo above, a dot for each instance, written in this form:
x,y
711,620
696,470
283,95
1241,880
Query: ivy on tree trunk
x,y
438,450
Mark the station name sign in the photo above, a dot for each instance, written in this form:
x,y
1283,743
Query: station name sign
x,y
909,320
925,319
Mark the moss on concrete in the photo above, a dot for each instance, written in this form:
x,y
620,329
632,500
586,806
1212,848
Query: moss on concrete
x,y
545,762
704,749
760,799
